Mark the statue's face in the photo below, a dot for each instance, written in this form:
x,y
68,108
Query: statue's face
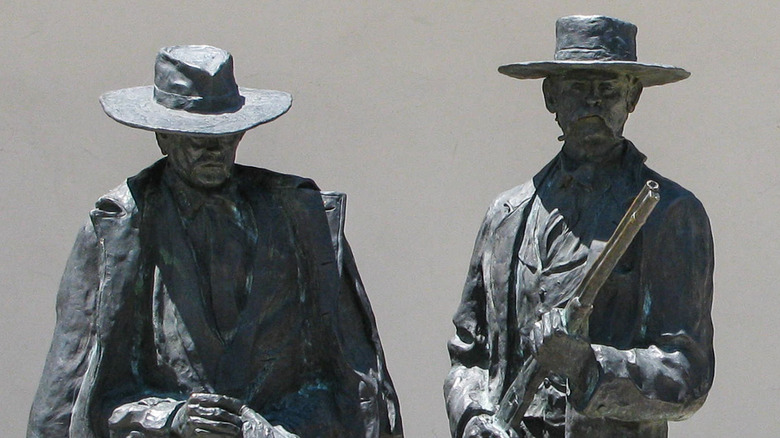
x,y
592,106
201,161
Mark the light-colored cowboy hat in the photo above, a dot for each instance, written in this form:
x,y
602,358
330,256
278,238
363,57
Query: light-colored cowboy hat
x,y
194,92
595,43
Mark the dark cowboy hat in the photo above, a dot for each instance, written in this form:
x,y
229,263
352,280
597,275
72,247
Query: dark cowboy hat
x,y
194,92
595,43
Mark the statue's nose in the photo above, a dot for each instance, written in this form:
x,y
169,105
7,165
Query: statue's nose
x,y
593,99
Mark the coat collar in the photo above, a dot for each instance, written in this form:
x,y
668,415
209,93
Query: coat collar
x,y
623,161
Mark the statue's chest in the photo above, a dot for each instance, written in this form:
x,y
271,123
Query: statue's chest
x,y
555,249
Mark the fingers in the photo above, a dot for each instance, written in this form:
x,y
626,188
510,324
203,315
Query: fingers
x,y
203,427
484,426
550,324
230,404
213,414
556,322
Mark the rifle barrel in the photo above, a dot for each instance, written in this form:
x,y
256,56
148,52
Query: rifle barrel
x,y
618,243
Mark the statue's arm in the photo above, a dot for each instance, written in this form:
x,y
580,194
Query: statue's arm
x,y
670,377
466,385
357,332
66,362
361,341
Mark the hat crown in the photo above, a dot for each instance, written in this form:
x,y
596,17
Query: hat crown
x,y
594,38
595,42
196,78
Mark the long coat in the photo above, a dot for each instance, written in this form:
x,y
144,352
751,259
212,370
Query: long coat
x,y
112,290
656,363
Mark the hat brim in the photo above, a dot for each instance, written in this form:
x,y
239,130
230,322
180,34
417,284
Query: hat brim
x,y
648,74
137,108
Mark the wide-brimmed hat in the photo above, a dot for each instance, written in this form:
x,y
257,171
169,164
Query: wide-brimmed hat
x,y
194,92
596,43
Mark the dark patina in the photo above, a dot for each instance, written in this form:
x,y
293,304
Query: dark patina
x,y
646,355
204,298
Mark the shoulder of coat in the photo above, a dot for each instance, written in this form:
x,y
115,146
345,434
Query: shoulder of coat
x,y
671,192
276,180
118,200
512,199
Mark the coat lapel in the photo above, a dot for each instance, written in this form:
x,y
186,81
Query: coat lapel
x,y
110,365
181,279
498,268
501,251
242,348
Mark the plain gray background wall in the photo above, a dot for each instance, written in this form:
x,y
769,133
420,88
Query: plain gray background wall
x,y
399,104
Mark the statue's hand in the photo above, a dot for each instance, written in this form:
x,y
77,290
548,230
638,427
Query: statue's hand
x,y
559,352
208,415
255,426
485,426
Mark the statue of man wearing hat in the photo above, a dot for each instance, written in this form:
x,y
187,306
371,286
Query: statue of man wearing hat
x,y
205,298
647,356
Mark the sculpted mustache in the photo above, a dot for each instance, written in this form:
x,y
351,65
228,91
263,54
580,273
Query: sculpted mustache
x,y
562,137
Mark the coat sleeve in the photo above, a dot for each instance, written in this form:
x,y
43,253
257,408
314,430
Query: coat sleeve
x,y
466,386
361,340
669,376
358,334
66,362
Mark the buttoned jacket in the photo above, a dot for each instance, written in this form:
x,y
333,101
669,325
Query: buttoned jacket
x,y
658,367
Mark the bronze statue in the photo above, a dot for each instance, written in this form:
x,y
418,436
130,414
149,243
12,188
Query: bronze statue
x,y
205,298
645,356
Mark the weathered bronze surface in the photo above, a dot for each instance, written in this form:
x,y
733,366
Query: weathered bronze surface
x,y
645,355
205,298
575,316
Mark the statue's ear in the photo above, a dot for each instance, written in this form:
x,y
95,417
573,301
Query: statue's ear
x,y
633,95
550,91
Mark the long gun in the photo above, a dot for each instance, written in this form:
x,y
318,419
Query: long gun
x,y
577,312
